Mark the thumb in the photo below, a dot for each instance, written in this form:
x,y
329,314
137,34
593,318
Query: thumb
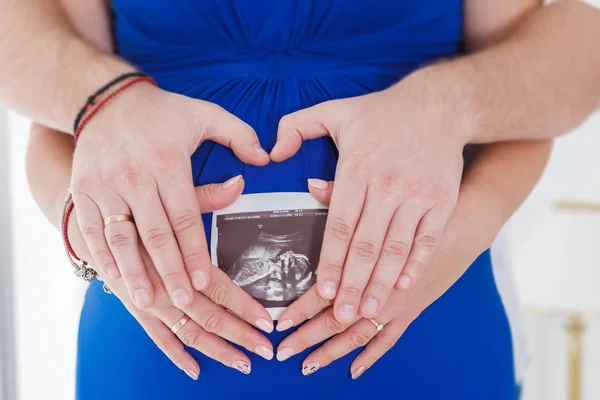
x,y
216,196
310,123
228,130
321,190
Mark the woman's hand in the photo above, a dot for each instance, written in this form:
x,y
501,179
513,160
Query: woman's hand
x,y
210,323
397,184
450,261
134,158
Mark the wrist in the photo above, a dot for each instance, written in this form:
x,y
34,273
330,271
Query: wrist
x,y
447,94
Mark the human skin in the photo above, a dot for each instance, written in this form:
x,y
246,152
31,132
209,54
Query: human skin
x,y
497,92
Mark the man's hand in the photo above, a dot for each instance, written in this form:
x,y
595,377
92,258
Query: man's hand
x,y
134,158
397,183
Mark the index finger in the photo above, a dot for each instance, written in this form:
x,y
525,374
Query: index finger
x,y
347,202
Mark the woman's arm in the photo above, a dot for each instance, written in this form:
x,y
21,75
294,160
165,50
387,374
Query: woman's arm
x,y
496,183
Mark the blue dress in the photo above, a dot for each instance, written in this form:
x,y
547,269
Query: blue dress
x,y
260,60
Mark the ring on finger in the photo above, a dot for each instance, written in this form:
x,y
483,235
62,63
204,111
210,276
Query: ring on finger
x,y
180,324
117,218
377,324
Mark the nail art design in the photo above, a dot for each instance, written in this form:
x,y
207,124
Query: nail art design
x,y
241,366
358,372
310,368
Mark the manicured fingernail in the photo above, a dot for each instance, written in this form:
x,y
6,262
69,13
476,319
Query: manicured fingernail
x,y
241,366
265,325
112,271
310,368
198,280
191,374
358,372
329,289
404,281
275,147
318,183
370,306
258,148
284,325
141,298
180,297
264,352
284,354
230,182
347,312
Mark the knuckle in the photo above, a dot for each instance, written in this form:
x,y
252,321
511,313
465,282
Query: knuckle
x,y
131,173
190,338
92,230
428,242
357,167
388,182
167,160
103,254
386,343
341,229
247,342
365,250
156,239
219,293
396,249
333,326
359,338
132,276
332,268
350,291
212,322
370,360
302,343
379,287
183,220
192,258
163,343
326,358
120,240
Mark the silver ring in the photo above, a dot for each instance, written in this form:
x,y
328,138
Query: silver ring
x,y
377,324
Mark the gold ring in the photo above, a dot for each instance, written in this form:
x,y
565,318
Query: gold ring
x,y
180,324
117,218
377,324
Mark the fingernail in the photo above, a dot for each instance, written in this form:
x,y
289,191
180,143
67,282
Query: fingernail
x,y
284,353
405,281
191,374
265,325
264,352
310,368
241,366
258,148
230,182
347,312
180,297
318,183
275,147
112,271
198,280
329,288
358,372
284,325
370,306
141,298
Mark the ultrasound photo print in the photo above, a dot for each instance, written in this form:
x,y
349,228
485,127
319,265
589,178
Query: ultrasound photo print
x,y
271,254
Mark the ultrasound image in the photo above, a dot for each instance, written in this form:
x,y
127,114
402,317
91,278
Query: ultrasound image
x,y
272,255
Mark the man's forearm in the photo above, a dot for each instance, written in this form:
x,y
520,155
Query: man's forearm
x,y
47,70
540,82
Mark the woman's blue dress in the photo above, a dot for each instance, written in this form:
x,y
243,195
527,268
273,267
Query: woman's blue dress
x,y
260,60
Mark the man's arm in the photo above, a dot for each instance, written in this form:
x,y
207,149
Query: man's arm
x,y
47,70
539,79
